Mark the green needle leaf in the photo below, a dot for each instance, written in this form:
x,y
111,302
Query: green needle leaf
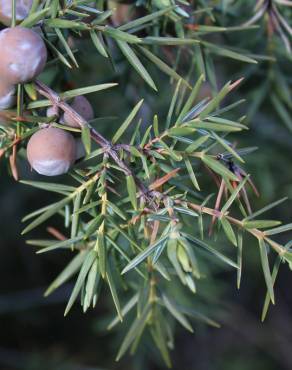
x,y
119,35
127,122
131,186
268,298
192,174
56,207
260,224
135,62
49,186
96,39
219,168
34,18
91,286
228,231
90,258
266,269
234,195
135,331
176,313
144,254
64,23
278,230
146,19
239,257
86,139
70,270
68,243
191,99
163,66
113,290
210,249
101,247
127,308
197,143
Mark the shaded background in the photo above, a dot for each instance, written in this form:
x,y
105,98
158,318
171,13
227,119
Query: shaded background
x,y
33,333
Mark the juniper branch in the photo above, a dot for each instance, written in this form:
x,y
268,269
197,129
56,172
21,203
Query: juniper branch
x,y
239,223
108,147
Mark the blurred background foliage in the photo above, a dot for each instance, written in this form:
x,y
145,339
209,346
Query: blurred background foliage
x,y
33,333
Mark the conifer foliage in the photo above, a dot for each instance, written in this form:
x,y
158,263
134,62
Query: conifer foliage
x,y
153,200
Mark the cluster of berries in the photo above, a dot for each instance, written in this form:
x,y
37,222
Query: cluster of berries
x,y
50,151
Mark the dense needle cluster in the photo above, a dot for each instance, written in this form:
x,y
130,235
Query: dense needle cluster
x,y
142,204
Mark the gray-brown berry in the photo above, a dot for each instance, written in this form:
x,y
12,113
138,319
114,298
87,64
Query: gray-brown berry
x,y
51,151
82,106
7,95
22,9
23,55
